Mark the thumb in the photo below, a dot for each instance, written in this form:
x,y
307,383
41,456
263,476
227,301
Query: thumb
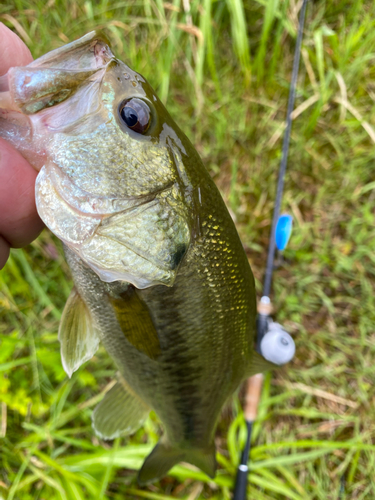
x,y
13,52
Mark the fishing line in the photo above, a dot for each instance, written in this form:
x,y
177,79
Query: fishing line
x,y
264,324
284,154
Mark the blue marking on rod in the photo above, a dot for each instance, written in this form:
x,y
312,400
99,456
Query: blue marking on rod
x,y
283,231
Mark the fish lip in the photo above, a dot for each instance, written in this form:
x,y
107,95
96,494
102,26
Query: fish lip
x,y
95,35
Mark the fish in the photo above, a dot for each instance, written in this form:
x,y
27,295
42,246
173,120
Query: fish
x,y
161,278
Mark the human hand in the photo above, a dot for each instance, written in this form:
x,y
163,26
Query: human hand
x,y
19,220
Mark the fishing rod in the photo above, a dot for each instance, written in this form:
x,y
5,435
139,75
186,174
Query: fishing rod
x,y
273,342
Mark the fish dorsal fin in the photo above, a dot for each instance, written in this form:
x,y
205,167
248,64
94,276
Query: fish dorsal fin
x,y
120,413
79,338
259,365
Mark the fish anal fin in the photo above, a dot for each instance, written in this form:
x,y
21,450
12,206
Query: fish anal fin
x,y
164,456
78,336
120,413
136,323
203,459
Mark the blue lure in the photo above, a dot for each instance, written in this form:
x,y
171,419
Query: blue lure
x,y
283,231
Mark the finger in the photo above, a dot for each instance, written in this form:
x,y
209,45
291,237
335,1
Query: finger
x,y
19,221
13,52
4,252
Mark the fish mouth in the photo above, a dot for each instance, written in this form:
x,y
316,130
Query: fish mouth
x,y
140,240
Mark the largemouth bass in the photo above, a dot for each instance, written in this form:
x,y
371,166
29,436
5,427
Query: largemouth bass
x,y
161,277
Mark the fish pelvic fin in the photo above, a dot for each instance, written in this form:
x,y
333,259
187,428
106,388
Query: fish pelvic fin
x,y
78,336
120,413
164,456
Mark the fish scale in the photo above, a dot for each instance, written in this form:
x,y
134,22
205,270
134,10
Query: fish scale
x,y
161,277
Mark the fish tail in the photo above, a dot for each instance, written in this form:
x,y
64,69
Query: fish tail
x,y
164,456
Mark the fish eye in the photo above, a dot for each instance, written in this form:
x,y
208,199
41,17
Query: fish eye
x,y
135,114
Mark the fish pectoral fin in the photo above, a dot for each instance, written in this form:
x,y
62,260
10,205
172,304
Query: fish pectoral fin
x,y
78,336
164,456
120,413
136,323
259,365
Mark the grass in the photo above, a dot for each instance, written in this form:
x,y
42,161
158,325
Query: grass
x,y
223,68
